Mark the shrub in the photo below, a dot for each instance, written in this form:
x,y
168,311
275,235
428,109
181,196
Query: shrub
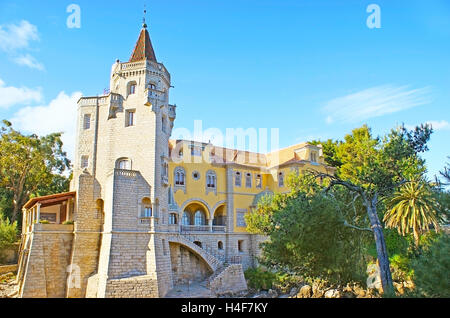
x,y
259,278
44,222
8,234
431,269
68,223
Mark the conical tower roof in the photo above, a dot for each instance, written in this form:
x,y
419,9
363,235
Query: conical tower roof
x,y
143,49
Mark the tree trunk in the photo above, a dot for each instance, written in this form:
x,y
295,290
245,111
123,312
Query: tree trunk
x,y
383,257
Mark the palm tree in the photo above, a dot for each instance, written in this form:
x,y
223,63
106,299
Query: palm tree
x,y
413,206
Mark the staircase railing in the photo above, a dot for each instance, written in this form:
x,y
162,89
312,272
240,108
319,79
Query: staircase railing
x,y
205,247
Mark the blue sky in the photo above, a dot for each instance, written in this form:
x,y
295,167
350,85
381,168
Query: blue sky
x,y
311,68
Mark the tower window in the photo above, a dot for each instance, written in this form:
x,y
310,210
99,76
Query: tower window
x,y
313,156
84,162
87,122
132,89
130,117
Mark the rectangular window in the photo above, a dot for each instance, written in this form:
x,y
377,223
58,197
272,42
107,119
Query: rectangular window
x,y
313,156
240,218
132,89
87,122
130,117
241,246
84,162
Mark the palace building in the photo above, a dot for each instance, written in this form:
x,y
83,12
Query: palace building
x,y
146,213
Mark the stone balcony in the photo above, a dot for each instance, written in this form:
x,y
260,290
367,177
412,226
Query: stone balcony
x,y
202,228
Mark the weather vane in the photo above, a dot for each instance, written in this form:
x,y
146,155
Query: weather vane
x,y
145,12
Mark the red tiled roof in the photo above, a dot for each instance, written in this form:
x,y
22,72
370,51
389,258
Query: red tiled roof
x,y
54,198
143,49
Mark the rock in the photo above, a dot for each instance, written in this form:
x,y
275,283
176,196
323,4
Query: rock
x,y
359,292
293,291
272,293
304,292
399,288
317,291
333,293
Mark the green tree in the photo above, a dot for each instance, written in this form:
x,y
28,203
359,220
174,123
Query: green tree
x,y
329,151
29,165
372,168
412,207
311,232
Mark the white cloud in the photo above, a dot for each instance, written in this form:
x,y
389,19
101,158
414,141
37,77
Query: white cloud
x,y
13,37
57,116
375,102
14,95
30,61
439,125
18,37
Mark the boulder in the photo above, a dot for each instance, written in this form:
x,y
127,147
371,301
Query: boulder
x,y
332,293
304,292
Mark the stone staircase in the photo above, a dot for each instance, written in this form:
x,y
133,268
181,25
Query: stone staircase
x,y
214,259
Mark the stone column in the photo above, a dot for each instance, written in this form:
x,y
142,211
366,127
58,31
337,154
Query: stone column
x,y
38,214
210,225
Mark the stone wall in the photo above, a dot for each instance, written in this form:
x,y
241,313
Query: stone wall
x,y
45,267
9,255
186,266
8,269
134,287
229,281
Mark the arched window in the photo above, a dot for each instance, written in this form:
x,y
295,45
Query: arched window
x,y
248,180
199,218
258,181
220,245
211,179
124,164
281,179
151,86
147,208
237,179
186,220
180,176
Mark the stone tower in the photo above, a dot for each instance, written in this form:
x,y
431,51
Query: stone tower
x,y
121,180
